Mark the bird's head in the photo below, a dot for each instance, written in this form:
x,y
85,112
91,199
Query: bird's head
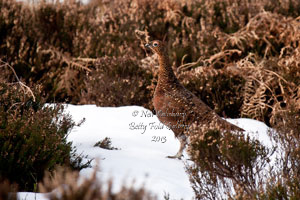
x,y
157,47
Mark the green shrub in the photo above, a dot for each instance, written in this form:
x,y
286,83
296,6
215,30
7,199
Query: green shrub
x,y
32,137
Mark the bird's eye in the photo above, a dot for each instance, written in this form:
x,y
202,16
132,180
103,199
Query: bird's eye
x,y
155,44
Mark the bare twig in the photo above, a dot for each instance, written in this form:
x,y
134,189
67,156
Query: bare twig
x,y
188,65
23,86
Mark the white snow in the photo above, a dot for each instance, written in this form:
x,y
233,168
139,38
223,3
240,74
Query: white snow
x,y
31,196
144,144
139,158
254,129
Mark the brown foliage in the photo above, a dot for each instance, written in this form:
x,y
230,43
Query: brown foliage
x,y
105,144
7,191
220,89
118,82
69,186
46,42
32,137
225,164
241,57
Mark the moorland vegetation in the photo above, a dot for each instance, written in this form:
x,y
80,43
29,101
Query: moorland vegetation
x,y
241,57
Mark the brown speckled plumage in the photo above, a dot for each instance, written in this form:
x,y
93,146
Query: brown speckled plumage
x,y
177,107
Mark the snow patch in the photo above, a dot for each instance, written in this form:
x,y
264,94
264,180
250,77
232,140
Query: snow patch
x,y
144,144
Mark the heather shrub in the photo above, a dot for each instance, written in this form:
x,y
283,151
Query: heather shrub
x,y
286,181
284,187
32,136
117,82
69,186
42,56
223,162
211,30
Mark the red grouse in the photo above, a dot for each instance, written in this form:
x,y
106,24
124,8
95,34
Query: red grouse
x,y
178,108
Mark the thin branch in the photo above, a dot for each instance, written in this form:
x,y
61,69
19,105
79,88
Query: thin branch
x,y
188,65
5,64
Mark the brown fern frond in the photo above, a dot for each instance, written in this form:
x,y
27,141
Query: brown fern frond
x,y
79,63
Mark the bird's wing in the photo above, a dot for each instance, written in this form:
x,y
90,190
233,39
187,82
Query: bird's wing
x,y
196,112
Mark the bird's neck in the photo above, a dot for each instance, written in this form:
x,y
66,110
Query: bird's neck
x,y
165,73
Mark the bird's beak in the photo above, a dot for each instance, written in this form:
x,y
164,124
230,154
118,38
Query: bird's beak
x,y
147,45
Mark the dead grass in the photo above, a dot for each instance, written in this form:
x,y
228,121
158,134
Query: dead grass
x,y
69,186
